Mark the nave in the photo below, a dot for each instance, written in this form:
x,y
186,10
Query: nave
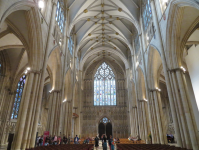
x,y
126,68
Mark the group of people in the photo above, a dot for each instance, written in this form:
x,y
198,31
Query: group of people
x,y
111,142
53,140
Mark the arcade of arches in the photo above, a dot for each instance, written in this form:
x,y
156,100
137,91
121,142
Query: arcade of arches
x,y
88,67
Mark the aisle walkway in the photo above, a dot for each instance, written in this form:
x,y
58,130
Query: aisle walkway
x,y
100,146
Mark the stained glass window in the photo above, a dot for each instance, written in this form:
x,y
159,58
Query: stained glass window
x,y
105,120
18,96
147,13
70,45
60,14
104,86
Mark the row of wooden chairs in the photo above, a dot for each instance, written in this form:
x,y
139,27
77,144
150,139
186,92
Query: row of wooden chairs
x,y
147,147
65,147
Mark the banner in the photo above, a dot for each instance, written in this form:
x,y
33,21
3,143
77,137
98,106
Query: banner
x,y
46,133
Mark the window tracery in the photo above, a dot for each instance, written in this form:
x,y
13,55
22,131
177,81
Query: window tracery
x,y
105,120
147,13
18,96
104,86
60,14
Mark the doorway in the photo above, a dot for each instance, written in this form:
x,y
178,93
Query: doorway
x,y
108,130
101,129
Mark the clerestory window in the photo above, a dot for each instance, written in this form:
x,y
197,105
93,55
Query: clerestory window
x,y
60,14
70,45
147,13
18,96
104,86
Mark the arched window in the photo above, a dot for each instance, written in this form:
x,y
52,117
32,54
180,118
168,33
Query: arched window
x,y
60,14
147,13
18,97
104,86
70,45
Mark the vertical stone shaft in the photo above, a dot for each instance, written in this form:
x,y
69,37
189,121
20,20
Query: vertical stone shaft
x,y
179,107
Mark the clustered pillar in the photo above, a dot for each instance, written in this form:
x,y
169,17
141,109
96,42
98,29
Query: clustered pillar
x,y
184,109
26,114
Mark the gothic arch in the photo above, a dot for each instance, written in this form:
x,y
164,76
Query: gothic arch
x,y
175,40
153,67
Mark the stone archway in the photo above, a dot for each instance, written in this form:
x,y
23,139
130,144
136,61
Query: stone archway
x,y
105,127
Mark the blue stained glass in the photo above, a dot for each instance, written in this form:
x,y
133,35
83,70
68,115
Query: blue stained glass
x,y
18,96
104,80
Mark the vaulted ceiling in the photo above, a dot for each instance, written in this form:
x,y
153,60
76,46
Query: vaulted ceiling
x,y
104,29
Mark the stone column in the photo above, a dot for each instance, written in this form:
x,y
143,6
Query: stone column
x,y
23,113
187,110
52,115
39,98
50,98
144,121
155,138
5,117
164,64
181,118
30,112
157,108
33,114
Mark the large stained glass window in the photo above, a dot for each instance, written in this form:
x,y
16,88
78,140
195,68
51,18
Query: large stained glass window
x,y
147,13
18,97
104,86
60,14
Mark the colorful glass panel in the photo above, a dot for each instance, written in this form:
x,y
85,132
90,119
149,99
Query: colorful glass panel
x,y
18,97
104,86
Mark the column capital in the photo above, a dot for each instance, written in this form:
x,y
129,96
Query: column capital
x,y
134,107
176,69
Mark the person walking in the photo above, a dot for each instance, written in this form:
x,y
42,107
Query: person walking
x,y
110,141
41,141
96,142
76,139
104,142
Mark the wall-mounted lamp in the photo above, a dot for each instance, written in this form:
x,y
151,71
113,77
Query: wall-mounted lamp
x,y
27,69
147,38
51,90
183,68
145,100
64,100
158,89
41,4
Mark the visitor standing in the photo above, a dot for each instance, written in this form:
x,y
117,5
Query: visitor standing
x,y
104,142
96,142
41,141
76,139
